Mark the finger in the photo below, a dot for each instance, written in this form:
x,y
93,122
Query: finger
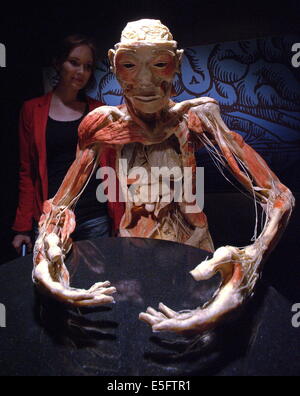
x,y
149,319
16,246
71,296
167,311
104,299
99,285
204,271
227,299
96,302
102,290
167,325
110,290
177,325
17,243
153,312
208,268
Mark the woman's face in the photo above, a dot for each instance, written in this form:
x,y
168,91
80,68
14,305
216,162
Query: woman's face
x,y
76,70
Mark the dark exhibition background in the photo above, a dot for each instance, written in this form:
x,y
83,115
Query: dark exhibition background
x,y
30,34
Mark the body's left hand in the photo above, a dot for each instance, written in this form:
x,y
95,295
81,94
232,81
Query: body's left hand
x,y
236,286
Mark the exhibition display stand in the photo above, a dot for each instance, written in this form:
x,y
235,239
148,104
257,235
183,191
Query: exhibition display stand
x,y
43,337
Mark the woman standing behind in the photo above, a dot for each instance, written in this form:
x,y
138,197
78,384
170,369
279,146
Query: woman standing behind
x,y
48,140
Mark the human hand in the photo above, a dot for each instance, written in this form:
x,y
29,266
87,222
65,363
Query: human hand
x,y
238,279
21,239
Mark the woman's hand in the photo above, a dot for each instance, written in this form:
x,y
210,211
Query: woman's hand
x,y
18,241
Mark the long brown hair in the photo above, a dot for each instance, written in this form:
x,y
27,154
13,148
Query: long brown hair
x,y
67,45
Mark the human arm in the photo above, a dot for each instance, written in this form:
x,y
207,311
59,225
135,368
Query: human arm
x,y
24,213
240,268
100,129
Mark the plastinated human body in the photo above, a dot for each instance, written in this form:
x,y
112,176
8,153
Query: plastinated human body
x,y
149,130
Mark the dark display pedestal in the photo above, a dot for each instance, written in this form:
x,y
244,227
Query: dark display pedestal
x,y
43,337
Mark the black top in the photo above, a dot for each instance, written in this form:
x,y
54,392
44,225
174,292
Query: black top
x,y
61,143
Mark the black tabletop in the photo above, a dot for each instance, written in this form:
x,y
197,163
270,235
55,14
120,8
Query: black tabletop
x,y
43,337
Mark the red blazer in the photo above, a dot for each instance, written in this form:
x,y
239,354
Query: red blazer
x,y
33,184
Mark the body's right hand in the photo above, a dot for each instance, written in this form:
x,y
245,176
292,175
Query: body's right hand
x,y
18,241
51,277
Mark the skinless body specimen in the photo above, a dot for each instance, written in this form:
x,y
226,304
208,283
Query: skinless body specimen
x,y
158,216
151,131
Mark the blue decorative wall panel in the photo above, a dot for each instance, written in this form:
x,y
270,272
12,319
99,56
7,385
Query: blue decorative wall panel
x,y
258,90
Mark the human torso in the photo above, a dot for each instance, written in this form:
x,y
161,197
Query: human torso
x,y
154,209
